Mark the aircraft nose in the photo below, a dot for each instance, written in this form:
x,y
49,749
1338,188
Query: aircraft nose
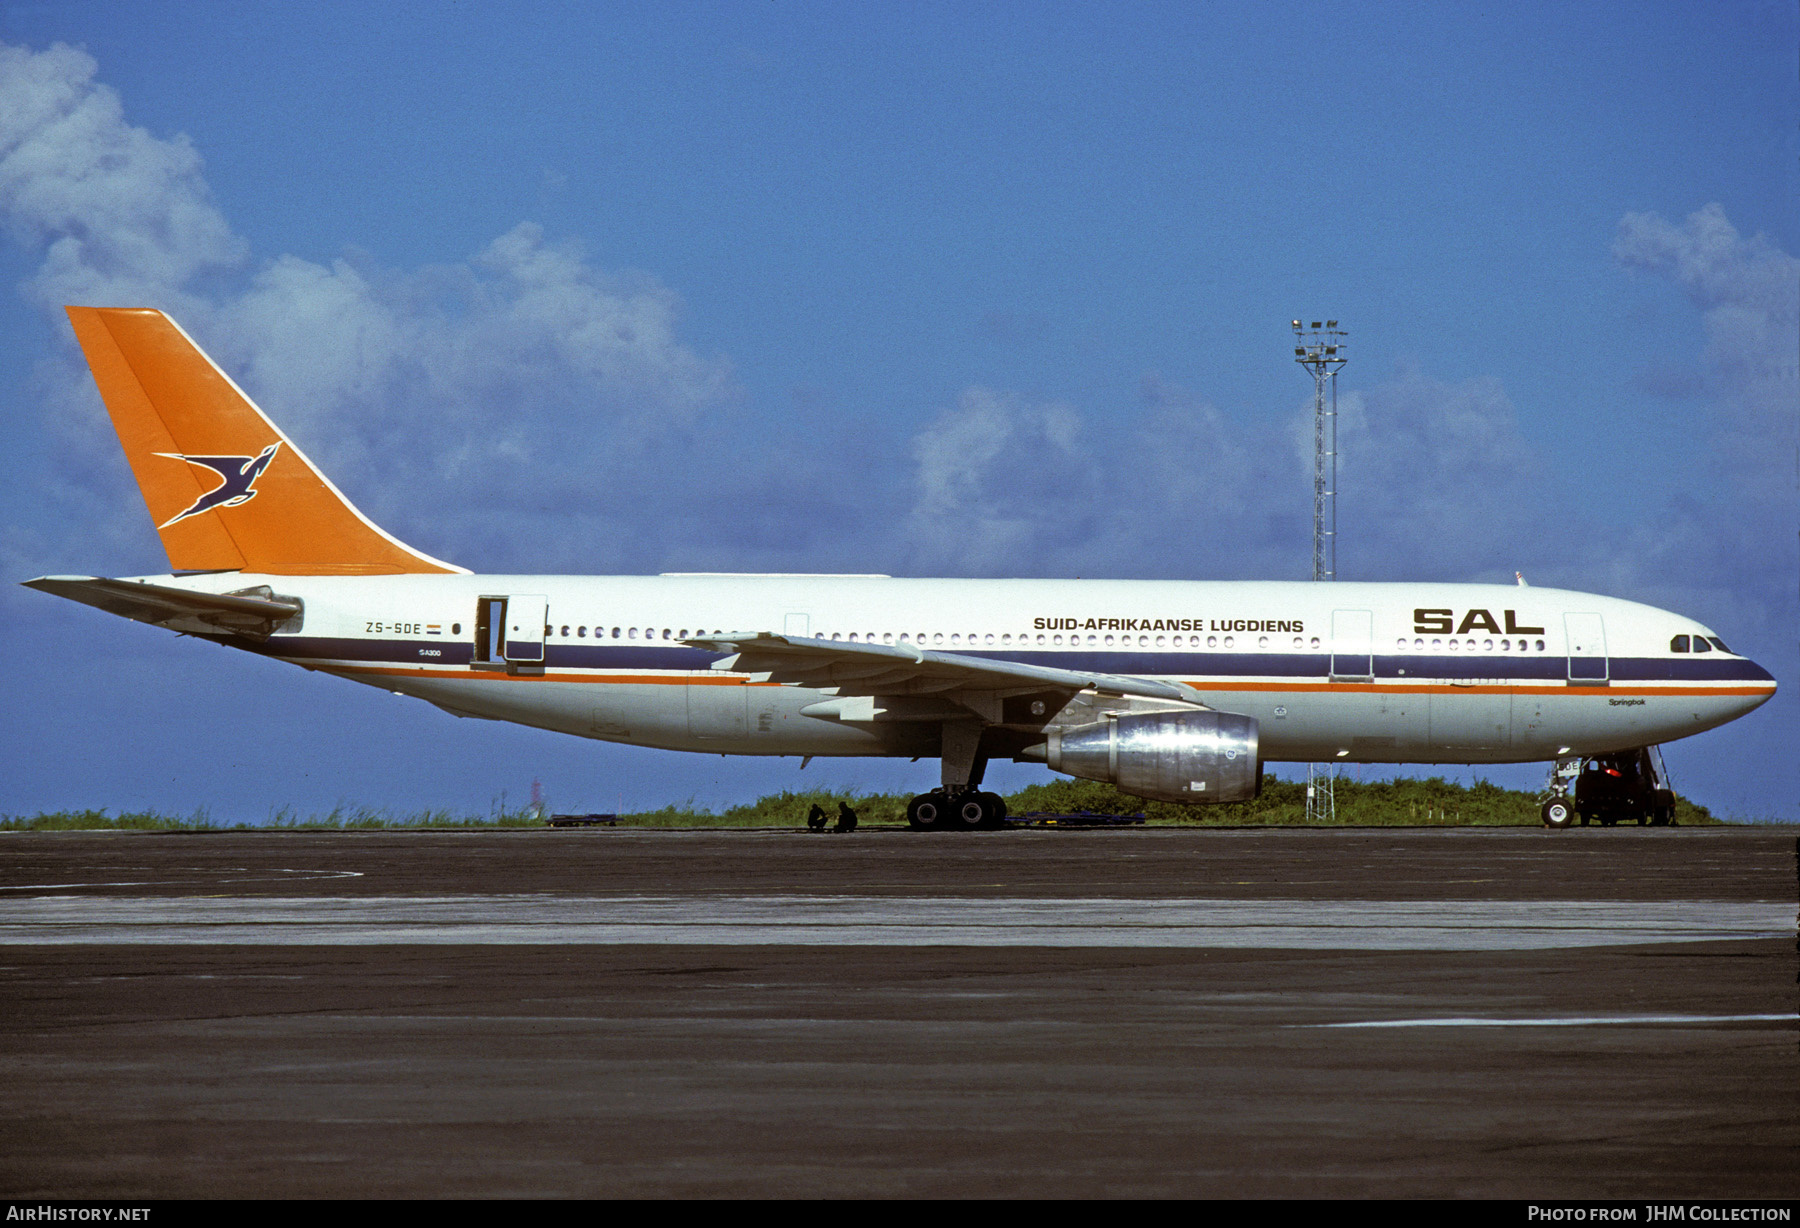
x,y
1755,674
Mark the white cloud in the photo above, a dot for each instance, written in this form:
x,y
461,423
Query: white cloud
x,y
1730,557
1711,261
1726,554
989,478
1193,494
1748,293
1436,481
525,370
488,399
122,217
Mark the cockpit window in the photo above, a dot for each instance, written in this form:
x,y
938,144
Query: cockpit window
x,y
1700,644
1718,643
1679,644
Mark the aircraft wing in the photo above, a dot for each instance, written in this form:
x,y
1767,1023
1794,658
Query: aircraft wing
x,y
881,669
255,612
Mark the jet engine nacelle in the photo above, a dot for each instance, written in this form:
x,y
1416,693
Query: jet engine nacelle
x,y
1188,755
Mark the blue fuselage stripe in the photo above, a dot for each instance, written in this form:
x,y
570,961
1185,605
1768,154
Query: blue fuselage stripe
x,y
657,658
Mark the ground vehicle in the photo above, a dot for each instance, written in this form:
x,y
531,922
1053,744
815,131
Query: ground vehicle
x,y
1630,784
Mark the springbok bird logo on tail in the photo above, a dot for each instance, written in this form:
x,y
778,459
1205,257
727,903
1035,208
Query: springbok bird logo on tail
x,y
239,474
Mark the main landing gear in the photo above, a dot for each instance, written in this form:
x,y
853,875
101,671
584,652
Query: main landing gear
x,y
956,810
959,804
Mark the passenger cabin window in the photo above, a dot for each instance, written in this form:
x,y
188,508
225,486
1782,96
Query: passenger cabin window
x,y
1679,644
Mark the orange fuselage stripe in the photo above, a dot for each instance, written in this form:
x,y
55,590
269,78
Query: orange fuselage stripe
x,y
1199,684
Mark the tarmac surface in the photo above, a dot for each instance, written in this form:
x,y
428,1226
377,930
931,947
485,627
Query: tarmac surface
x,y
1599,1013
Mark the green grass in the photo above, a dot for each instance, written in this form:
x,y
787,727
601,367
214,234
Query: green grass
x,y
361,818
784,809
99,820
340,818
1404,802
1433,802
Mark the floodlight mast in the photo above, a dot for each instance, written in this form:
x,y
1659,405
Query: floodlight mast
x,y
1320,350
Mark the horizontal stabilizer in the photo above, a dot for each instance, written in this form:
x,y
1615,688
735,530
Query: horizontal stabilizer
x,y
881,669
256,612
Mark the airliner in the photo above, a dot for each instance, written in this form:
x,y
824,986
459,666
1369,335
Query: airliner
x,y
1172,690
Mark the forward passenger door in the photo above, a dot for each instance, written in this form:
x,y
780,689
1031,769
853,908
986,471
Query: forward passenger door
x,y
1352,645
1587,648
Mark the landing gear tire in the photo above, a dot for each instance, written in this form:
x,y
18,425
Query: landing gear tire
x,y
996,809
927,812
1558,813
970,811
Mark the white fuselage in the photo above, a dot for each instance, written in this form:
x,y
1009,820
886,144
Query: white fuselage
x,y
1366,673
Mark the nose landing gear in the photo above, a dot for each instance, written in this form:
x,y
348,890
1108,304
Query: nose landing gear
x,y
1605,789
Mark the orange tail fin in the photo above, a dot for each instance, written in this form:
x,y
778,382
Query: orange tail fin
x,y
226,489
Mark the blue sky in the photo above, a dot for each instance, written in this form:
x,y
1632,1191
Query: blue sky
x,y
925,289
